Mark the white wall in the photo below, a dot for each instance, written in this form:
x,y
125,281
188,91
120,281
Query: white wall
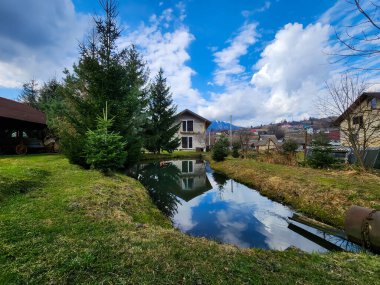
x,y
198,134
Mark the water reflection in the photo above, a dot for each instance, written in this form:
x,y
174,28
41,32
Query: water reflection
x,y
204,203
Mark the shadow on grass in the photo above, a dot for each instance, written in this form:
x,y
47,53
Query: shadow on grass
x,y
32,180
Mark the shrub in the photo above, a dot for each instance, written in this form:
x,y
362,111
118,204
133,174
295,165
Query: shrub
x,y
290,147
321,154
220,150
104,150
235,150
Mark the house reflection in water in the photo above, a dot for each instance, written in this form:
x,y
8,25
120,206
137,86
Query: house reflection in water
x,y
170,181
193,180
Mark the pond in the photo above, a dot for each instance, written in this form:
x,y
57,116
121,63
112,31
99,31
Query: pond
x,y
204,203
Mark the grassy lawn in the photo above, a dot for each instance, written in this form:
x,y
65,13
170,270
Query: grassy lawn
x,y
322,194
60,224
174,154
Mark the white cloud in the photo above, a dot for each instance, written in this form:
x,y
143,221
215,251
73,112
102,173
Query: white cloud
x,y
295,56
289,75
227,59
169,50
263,8
38,40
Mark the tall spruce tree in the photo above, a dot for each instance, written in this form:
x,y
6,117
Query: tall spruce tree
x,y
103,73
161,127
29,94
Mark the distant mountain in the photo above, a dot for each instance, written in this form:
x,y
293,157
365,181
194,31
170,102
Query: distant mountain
x,y
221,126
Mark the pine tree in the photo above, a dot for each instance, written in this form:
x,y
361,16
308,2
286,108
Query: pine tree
x,y
104,150
29,94
105,74
162,127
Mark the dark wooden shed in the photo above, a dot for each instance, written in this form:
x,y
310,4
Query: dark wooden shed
x,y
22,127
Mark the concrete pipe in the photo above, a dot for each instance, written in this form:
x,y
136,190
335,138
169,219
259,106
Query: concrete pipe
x,y
362,226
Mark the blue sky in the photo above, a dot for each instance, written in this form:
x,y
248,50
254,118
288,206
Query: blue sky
x,y
259,60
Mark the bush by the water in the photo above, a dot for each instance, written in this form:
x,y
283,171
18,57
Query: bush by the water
x,y
220,150
104,150
235,150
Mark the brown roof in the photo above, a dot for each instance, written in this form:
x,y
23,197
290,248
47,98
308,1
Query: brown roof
x,y
20,111
195,115
357,102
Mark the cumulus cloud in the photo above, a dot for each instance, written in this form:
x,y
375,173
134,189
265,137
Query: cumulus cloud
x,y
168,48
227,59
288,76
38,39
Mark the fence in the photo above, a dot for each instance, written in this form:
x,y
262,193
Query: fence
x,y
345,154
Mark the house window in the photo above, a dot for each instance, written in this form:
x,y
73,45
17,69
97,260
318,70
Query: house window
x,y
358,120
188,183
187,142
187,166
188,126
373,103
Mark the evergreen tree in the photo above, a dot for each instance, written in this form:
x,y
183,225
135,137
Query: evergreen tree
x,y
105,74
51,102
104,150
321,153
161,127
220,149
29,94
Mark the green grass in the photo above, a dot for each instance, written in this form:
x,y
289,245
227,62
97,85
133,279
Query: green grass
x,y
322,194
60,224
174,154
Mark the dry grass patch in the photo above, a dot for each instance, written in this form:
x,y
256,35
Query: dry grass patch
x,y
322,194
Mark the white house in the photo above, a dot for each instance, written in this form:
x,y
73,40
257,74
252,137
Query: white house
x,y
192,130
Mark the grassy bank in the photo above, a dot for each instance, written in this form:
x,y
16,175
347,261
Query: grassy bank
x,y
321,194
60,224
173,155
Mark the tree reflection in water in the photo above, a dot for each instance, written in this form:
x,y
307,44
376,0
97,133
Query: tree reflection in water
x,y
220,179
158,178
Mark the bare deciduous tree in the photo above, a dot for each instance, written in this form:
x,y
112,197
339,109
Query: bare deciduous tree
x,y
244,139
362,38
359,123
277,131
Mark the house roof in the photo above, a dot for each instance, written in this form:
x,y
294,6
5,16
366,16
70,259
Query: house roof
x,y
265,139
358,101
19,111
195,115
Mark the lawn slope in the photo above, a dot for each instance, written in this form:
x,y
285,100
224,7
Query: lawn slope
x,y
61,224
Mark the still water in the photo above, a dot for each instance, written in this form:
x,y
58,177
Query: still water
x,y
204,203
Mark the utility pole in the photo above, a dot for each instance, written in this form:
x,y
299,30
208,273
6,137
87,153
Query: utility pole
x,y
231,132
209,140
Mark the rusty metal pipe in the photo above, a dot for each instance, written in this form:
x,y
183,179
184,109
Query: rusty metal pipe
x,y
362,226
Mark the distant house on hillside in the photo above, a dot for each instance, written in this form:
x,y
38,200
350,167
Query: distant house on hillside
x,y
300,137
192,130
266,143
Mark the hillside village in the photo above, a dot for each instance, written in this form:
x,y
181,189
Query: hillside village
x,y
122,171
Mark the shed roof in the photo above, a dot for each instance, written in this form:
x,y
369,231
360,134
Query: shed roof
x,y
19,111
